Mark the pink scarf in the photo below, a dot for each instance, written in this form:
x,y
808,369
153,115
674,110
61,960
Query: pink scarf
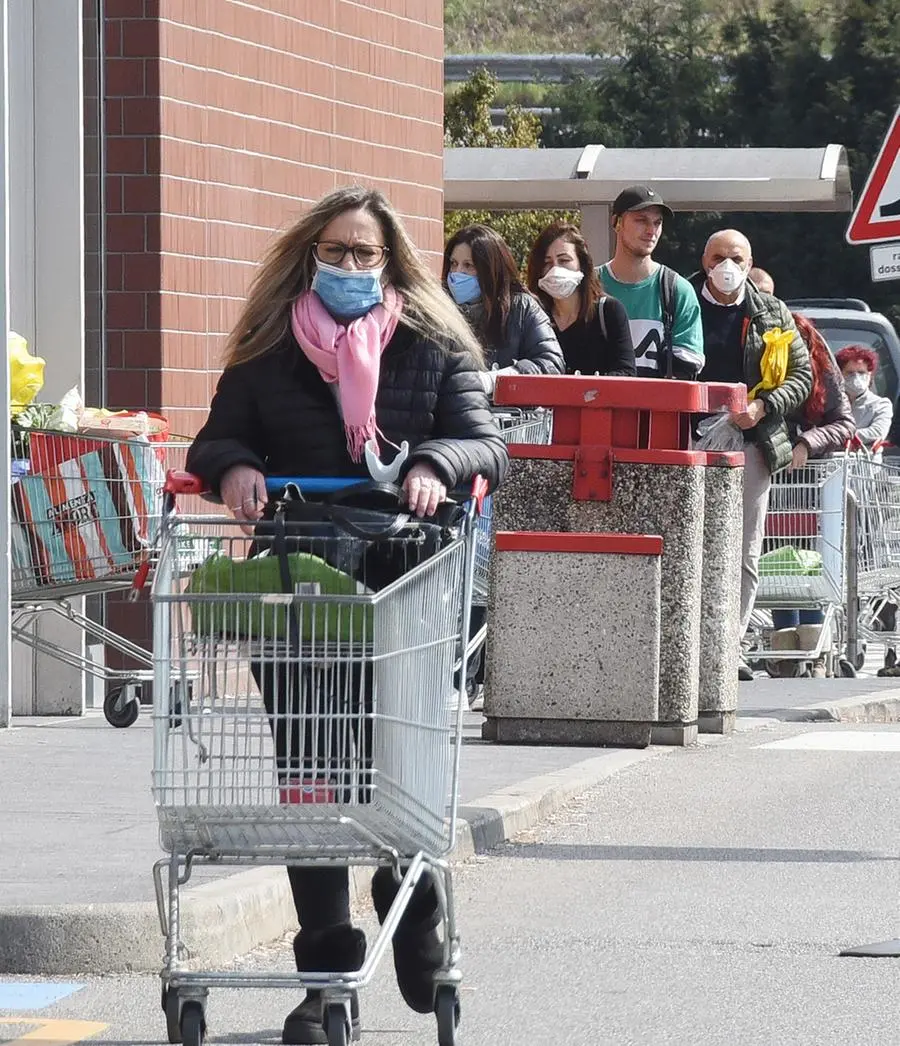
x,y
350,356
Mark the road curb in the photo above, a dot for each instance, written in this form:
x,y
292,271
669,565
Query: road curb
x,y
231,916
883,707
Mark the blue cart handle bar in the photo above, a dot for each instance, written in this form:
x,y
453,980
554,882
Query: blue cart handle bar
x,y
313,484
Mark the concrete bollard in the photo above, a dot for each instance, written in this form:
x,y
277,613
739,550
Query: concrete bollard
x,y
573,654
720,602
666,500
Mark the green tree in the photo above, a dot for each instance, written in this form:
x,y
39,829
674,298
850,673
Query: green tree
x,y
797,83
664,91
788,74
467,123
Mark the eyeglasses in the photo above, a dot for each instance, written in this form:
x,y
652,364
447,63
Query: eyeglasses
x,y
366,255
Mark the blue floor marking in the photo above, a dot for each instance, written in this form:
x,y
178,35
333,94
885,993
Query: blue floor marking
x,y
31,995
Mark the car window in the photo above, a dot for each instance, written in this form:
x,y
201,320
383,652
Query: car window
x,y
885,383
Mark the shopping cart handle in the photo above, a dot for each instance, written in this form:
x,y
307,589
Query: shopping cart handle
x,y
180,482
313,484
479,492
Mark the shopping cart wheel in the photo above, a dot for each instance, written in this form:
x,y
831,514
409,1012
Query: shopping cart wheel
x,y
447,1009
336,1027
860,659
193,1024
122,705
173,1014
846,669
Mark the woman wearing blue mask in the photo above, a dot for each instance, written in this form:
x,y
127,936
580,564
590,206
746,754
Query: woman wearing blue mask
x,y
347,346
480,274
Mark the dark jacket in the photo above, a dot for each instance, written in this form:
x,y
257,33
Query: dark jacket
x,y
830,433
764,312
276,414
529,341
602,344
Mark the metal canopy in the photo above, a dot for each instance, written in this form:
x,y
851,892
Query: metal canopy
x,y
687,179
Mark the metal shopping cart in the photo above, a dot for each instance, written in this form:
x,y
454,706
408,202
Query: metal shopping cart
x,y
516,426
85,521
320,729
803,564
873,576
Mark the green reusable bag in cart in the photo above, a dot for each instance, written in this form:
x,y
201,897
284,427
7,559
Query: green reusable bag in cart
x,y
258,619
790,562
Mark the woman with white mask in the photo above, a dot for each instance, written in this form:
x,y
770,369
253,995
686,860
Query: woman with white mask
x,y
592,328
871,412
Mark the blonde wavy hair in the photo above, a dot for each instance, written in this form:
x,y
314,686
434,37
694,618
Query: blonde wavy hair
x,y
289,266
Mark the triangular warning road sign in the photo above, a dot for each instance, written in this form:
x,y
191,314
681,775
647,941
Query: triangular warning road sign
x,y
877,215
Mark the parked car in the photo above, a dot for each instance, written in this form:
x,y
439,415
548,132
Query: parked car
x,y
850,321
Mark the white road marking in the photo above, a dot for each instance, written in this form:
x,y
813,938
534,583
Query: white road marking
x,y
841,741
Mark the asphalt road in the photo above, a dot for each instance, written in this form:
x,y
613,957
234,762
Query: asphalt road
x,y
696,900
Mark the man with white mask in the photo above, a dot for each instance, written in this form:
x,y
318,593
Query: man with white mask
x,y
736,317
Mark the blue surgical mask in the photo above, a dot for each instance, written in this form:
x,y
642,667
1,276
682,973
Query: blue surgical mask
x,y
464,287
348,293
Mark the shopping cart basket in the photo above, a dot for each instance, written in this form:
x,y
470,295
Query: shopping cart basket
x,y
873,576
85,521
802,566
320,728
516,426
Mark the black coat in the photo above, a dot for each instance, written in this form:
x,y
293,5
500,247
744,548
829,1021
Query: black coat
x,y
596,347
276,414
529,342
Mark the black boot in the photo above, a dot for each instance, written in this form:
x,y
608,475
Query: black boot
x,y
418,952
341,949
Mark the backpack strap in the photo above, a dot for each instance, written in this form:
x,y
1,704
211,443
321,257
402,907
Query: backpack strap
x,y
601,315
668,280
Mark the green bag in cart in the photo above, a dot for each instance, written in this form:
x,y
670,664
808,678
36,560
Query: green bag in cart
x,y
234,618
790,562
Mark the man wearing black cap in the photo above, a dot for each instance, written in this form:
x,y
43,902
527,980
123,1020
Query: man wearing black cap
x,y
662,306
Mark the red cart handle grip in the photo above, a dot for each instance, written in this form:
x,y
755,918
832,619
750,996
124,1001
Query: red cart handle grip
x,y
178,482
479,492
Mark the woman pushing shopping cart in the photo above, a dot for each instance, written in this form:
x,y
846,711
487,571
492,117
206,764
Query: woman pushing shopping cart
x,y
325,639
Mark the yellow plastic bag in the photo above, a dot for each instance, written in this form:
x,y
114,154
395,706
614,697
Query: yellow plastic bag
x,y
26,373
774,362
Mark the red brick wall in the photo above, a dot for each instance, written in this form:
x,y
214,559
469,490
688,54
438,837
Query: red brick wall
x,y
223,120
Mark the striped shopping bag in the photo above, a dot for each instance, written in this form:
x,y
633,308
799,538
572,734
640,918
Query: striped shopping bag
x,y
77,518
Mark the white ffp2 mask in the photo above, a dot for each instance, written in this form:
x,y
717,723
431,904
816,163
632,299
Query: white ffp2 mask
x,y
560,282
728,276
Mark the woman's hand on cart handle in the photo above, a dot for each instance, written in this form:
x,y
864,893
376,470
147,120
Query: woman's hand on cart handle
x,y
243,490
424,490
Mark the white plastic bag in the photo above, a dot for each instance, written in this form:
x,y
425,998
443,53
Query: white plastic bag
x,y
719,434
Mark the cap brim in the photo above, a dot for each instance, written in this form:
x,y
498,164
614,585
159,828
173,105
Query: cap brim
x,y
665,208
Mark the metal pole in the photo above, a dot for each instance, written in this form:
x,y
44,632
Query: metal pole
x,y
597,230
851,552
881,949
5,478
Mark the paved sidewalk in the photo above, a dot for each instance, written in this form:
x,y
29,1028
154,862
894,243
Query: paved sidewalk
x,y
79,830
865,699
79,839
79,789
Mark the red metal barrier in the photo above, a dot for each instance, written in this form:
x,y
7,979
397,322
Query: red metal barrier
x,y
597,421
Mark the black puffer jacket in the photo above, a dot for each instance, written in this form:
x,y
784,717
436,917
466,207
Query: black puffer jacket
x,y
276,414
529,341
